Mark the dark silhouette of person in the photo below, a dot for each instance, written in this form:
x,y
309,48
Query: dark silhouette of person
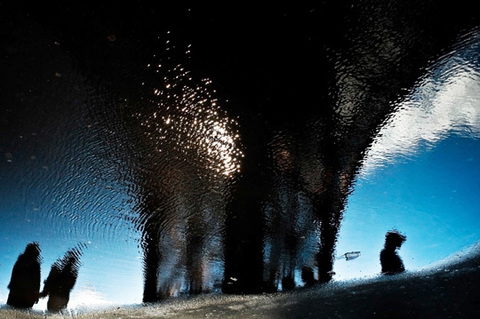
x,y
389,259
60,281
25,281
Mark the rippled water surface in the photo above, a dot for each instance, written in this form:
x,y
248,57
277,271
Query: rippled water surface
x,y
161,151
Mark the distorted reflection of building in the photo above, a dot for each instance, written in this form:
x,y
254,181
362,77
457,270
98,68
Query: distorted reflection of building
x,y
25,280
61,280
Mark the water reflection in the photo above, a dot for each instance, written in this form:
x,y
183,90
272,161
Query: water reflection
x,y
61,279
25,281
389,258
422,168
120,140
443,103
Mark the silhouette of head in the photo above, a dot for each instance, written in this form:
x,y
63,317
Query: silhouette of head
x,y
32,249
393,239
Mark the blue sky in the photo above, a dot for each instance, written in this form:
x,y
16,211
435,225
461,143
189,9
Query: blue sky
x,y
431,198
422,173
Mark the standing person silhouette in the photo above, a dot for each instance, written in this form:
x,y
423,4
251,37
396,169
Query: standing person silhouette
x,y
25,281
389,259
60,281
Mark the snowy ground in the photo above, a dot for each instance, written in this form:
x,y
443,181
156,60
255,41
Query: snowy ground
x,y
450,290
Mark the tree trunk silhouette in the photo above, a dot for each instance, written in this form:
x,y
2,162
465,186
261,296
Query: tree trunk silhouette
x,y
197,230
244,242
151,261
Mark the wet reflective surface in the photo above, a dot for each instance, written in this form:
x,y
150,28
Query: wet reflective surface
x,y
155,151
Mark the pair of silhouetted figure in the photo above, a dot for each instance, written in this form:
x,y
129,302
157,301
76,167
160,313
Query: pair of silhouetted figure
x,y
389,259
25,281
